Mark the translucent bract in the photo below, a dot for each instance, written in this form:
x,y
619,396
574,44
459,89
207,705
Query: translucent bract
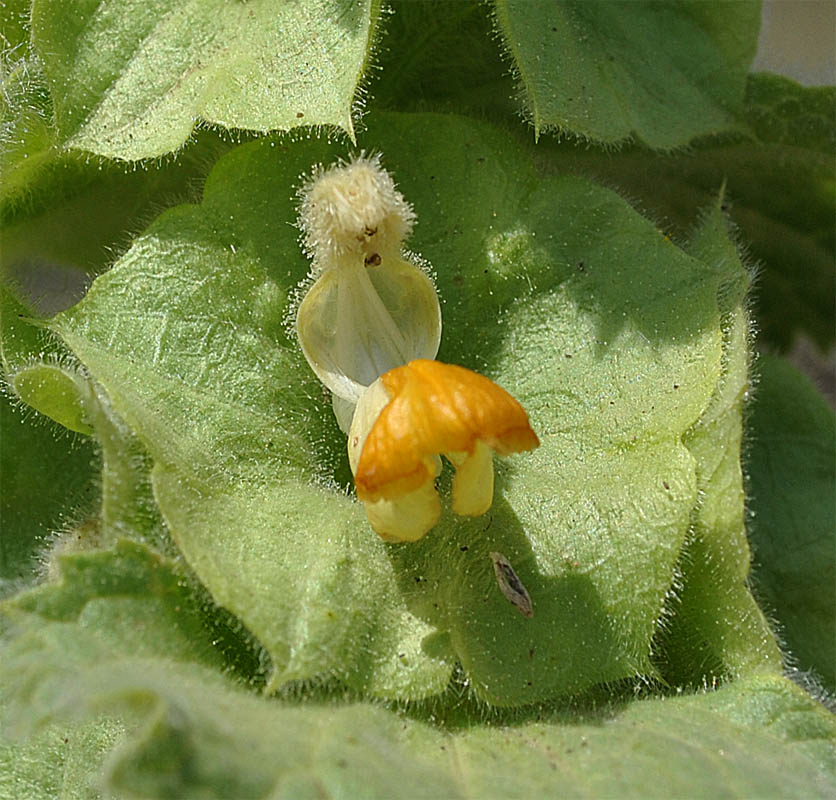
x,y
357,322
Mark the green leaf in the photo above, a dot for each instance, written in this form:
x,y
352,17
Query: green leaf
x,y
46,473
714,565
607,71
47,483
53,473
787,204
132,599
130,80
13,28
73,217
791,480
61,760
121,634
781,111
22,336
780,192
64,215
441,55
199,737
607,333
27,136
56,392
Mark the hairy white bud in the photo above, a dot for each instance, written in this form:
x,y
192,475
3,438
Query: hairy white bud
x,y
353,208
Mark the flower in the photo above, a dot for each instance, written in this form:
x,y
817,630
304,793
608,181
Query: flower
x,y
369,326
370,309
411,416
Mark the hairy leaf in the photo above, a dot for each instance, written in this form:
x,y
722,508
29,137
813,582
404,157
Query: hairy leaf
x,y
662,73
13,33
132,599
779,190
197,736
55,392
46,473
61,760
129,80
116,650
442,55
792,486
714,566
47,484
27,136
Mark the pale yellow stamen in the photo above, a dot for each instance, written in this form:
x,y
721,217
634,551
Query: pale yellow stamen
x,y
407,518
473,482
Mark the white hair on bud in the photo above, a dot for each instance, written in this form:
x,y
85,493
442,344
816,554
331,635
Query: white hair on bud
x,y
353,209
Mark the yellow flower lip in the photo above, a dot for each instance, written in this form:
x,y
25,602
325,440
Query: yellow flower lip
x,y
435,408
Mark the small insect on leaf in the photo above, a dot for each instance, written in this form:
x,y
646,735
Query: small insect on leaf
x,y
511,586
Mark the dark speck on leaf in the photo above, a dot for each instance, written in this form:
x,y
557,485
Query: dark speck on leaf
x,y
511,586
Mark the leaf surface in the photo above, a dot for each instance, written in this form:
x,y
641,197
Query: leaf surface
x,y
714,565
46,473
192,734
442,55
130,80
779,191
609,71
792,486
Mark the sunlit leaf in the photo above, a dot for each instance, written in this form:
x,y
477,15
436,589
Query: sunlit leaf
x,y
663,73
130,80
780,191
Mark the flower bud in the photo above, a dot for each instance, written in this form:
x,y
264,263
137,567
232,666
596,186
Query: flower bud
x,y
369,309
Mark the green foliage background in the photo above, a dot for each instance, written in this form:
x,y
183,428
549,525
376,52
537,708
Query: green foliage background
x,y
194,605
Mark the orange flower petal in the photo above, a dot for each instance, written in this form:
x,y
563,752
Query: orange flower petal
x,y
435,408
